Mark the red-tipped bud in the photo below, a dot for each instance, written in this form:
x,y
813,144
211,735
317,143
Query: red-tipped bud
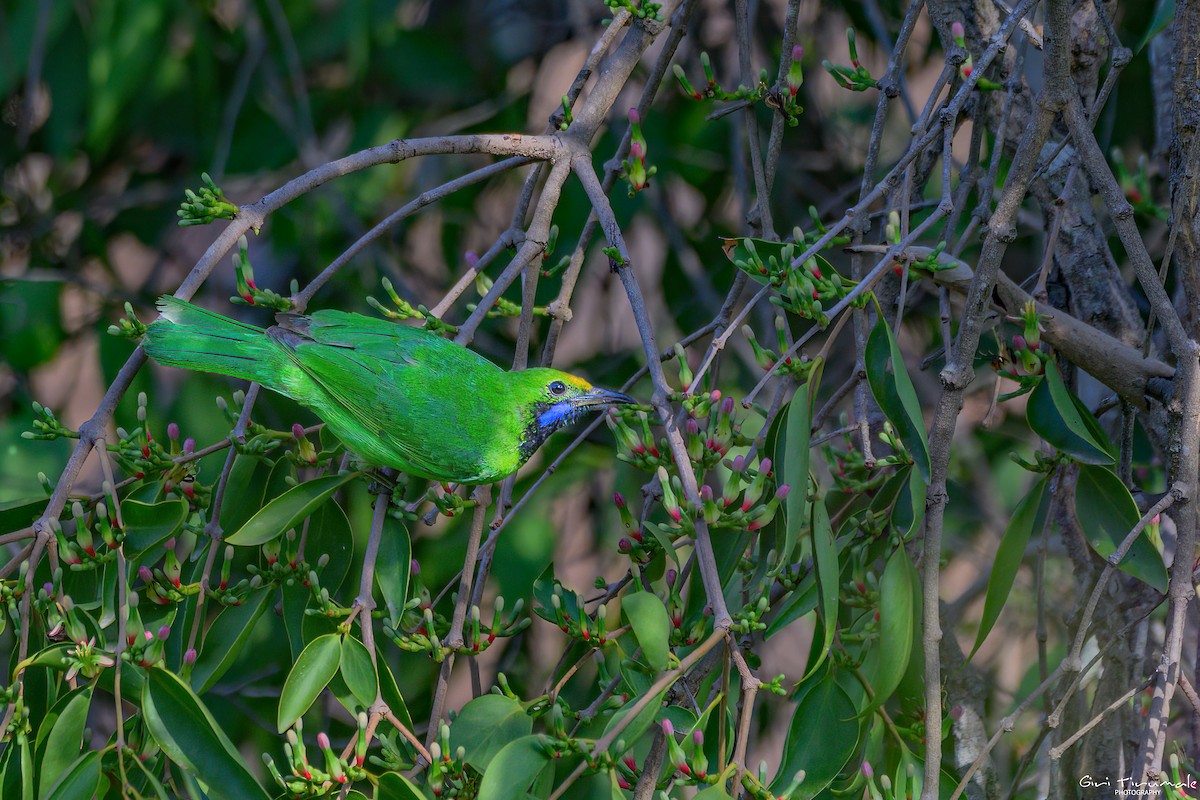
x,y
624,546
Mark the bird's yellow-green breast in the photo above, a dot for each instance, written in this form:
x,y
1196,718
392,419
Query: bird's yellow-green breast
x,y
397,396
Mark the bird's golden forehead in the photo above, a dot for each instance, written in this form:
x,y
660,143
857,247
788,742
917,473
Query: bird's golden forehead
x,y
579,383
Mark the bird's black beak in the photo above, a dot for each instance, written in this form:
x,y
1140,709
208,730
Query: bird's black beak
x,y
603,398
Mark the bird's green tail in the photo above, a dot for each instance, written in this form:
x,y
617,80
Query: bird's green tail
x,y
191,337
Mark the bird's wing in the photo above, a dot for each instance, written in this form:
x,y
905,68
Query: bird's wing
x,y
388,378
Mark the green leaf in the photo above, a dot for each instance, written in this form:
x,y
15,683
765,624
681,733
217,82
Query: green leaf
x,y
1030,516
78,780
637,726
1107,513
249,474
796,463
190,737
60,735
713,793
651,626
330,534
393,567
390,692
56,656
358,671
894,392
16,515
288,510
226,637
485,725
821,739
799,602
515,767
148,525
1164,12
828,572
309,676
1054,416
394,786
897,626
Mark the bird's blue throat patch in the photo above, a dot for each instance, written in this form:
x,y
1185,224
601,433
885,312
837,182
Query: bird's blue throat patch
x,y
545,420
557,415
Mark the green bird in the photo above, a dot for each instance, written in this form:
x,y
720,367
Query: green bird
x,y
397,396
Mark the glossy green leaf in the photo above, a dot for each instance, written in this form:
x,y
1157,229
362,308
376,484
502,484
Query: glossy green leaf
x,y
148,525
77,780
828,572
1029,517
894,392
1054,416
393,567
651,626
227,637
637,726
798,602
514,768
821,739
796,464
1107,513
249,475
60,735
358,671
190,737
56,656
713,793
309,676
485,725
394,786
1164,12
330,534
897,626
288,510
390,692
18,514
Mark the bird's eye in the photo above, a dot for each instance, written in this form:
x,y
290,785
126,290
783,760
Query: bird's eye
x,y
558,387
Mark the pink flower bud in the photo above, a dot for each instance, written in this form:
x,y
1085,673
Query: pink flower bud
x,y
765,466
624,546
414,567
782,492
148,635
618,500
145,574
715,395
739,463
692,426
323,740
727,405
698,737
164,631
706,493
169,544
636,151
172,431
472,258
670,577
189,445
1019,342
189,657
668,728
634,117
867,770
797,52
956,29
298,430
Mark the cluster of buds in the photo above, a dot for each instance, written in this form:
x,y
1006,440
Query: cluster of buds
x,y
804,289
248,292
201,208
633,169
749,619
82,553
714,91
851,472
640,9
304,454
711,429
567,612
855,77
307,779
447,775
636,447
967,67
689,760
283,564
164,584
144,648
46,426
785,101
448,503
425,632
799,368
502,307
899,455
129,326
1025,362
1136,185
402,309
681,636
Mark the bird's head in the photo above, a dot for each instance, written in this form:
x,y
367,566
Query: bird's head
x,y
553,399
